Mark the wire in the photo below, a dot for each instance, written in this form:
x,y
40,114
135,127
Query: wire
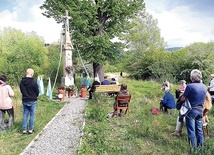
x,y
60,59
82,61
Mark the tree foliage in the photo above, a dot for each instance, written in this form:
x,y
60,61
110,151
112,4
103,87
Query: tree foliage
x,y
145,47
94,23
147,59
20,51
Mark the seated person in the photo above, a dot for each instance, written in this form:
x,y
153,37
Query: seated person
x,y
168,101
181,120
123,92
113,81
105,81
93,87
166,83
181,89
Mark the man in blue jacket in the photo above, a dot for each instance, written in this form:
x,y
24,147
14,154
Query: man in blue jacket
x,y
168,101
105,81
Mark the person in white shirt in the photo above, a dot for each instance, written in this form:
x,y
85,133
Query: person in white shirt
x,y
211,85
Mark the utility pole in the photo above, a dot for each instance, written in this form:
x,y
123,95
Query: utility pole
x,y
67,48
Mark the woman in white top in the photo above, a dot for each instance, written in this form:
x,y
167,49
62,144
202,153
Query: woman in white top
x,y
211,85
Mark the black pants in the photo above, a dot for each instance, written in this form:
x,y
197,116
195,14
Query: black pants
x,y
211,93
163,108
11,116
91,93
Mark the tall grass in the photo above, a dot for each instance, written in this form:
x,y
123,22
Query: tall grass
x,y
12,141
142,132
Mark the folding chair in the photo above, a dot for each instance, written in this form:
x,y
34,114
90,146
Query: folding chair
x,y
205,124
122,103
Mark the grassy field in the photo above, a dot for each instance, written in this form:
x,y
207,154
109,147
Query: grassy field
x,y
140,134
12,141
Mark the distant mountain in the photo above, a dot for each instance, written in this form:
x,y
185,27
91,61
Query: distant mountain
x,y
173,48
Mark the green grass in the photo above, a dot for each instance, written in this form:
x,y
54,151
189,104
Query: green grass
x,y
142,132
12,141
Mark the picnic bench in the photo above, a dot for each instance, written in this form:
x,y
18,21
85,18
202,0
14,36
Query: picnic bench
x,y
108,88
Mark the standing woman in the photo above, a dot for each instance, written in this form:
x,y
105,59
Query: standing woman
x,y
6,104
195,92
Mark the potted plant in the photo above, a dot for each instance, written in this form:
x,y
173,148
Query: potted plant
x,y
61,88
61,92
71,89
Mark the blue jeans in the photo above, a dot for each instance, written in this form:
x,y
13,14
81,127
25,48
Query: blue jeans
x,y
194,129
29,109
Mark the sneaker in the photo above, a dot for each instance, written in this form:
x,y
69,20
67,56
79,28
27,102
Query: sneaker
x,y
24,131
176,133
31,131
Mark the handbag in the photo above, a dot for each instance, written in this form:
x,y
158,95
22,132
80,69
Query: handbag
x,y
185,108
179,103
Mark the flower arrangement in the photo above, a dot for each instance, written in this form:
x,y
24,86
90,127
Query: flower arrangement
x,y
71,88
69,69
61,88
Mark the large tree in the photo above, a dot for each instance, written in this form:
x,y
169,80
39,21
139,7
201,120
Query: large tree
x,y
94,23
145,46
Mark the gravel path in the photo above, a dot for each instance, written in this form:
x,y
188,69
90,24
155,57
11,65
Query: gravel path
x,y
62,134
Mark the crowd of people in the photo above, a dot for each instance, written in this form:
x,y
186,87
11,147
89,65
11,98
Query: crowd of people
x,y
198,95
200,100
96,82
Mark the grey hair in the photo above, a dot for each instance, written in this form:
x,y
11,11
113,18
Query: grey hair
x,y
196,75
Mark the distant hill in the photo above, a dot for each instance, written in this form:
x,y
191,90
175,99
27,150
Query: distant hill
x,y
173,48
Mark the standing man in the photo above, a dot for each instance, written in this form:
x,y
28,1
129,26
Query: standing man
x,y
195,92
30,92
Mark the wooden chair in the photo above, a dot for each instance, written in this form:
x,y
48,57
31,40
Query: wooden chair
x,y
205,124
122,102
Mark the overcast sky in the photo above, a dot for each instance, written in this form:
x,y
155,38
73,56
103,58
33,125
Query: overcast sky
x,y
181,22
26,16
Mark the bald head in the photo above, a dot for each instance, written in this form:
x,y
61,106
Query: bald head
x,y
29,72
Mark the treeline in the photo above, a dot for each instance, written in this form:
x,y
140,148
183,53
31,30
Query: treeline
x,y
174,66
19,51
147,59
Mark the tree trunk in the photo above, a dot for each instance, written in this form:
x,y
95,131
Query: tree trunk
x,y
98,70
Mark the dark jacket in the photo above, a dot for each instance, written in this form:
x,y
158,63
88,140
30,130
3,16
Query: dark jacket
x,y
105,82
94,84
29,89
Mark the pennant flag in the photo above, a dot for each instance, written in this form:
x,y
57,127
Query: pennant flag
x,y
39,85
42,86
87,83
81,79
49,92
